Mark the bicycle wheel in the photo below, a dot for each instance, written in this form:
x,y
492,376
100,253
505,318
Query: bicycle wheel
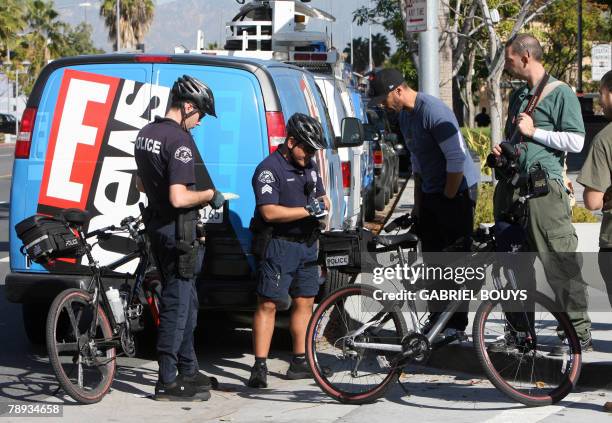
x,y
525,370
84,366
347,373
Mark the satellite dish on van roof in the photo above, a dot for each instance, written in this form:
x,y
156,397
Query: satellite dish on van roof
x,y
313,12
300,8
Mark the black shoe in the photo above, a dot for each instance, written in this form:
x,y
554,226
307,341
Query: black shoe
x,y
586,345
299,370
200,381
259,376
179,391
512,342
506,345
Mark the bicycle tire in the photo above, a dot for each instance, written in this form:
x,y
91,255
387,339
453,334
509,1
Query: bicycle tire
x,y
538,391
317,334
105,364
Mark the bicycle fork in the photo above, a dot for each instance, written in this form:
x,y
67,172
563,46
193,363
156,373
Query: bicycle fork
x,y
512,281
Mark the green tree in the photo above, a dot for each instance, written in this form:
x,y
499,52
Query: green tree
x,y
361,55
135,20
45,30
79,41
559,36
12,22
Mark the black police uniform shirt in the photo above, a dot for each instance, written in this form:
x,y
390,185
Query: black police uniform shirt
x,y
278,181
165,155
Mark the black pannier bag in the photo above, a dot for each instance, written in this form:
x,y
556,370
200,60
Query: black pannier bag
x,y
347,251
46,238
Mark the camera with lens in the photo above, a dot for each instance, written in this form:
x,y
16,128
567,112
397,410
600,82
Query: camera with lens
x,y
507,162
533,183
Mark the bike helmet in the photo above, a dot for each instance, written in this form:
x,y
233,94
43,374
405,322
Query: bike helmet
x,y
306,130
190,89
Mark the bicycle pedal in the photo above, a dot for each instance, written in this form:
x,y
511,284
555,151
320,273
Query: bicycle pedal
x,y
134,311
383,362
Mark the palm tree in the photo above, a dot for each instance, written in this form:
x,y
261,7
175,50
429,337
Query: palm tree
x,y
136,17
380,51
12,22
46,30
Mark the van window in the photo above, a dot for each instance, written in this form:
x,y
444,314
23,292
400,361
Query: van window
x,y
332,100
289,83
328,130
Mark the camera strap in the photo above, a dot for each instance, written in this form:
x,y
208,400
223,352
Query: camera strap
x,y
531,105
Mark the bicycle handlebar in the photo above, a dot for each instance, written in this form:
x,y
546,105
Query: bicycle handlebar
x,y
129,224
402,222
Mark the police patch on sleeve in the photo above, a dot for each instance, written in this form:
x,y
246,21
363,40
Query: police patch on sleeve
x,y
266,177
183,154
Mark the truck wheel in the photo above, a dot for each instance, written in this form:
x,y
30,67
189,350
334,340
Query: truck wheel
x,y
379,199
35,321
334,280
396,185
369,204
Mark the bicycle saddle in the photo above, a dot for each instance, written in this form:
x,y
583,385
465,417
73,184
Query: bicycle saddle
x,y
74,216
407,240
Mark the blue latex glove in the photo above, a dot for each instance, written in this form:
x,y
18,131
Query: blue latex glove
x,y
316,208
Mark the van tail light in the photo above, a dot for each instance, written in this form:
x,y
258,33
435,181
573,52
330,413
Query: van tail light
x,y
346,177
378,158
24,139
276,130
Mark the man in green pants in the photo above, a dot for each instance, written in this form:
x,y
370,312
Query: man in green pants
x,y
554,128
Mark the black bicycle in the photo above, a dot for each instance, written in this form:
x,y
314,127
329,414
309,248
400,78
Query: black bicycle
x,y
86,327
358,343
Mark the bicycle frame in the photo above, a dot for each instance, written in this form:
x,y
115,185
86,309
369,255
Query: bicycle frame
x,y
96,285
382,317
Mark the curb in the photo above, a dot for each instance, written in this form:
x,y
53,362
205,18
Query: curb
x,y
462,358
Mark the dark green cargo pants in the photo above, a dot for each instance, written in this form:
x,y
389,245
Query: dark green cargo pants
x,y
550,233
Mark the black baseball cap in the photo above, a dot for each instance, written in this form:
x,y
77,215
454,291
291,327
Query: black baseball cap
x,y
382,83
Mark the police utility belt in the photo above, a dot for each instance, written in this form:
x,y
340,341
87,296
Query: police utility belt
x,y
188,231
263,232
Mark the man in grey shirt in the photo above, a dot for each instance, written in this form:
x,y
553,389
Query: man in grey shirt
x,y
445,175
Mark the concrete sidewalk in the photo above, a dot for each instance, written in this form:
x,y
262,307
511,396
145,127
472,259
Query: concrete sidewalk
x,y
597,365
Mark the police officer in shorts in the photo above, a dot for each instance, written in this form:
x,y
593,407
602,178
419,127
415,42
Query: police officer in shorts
x,y
165,153
290,203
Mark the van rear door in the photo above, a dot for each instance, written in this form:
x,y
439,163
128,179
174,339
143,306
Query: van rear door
x,y
81,151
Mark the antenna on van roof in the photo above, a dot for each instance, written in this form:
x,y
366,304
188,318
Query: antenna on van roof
x,y
331,31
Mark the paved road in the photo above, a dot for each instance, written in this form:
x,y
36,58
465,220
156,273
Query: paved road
x,y
433,395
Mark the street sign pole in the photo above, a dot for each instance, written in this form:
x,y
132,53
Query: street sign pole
x,y
422,17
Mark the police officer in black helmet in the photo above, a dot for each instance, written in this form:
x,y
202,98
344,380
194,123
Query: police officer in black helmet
x,y
290,203
165,153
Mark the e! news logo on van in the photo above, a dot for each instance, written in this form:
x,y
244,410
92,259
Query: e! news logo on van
x,y
90,156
